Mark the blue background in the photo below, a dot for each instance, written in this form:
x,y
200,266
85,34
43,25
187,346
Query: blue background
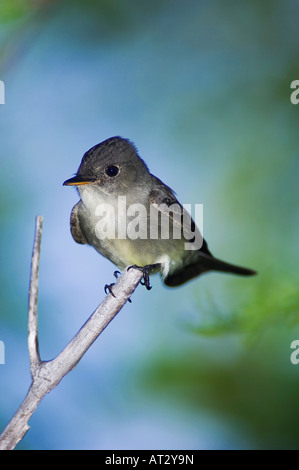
x,y
203,90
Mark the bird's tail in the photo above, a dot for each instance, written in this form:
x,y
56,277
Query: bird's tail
x,y
206,262
209,263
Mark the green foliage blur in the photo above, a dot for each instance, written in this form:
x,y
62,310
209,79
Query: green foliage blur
x,y
205,86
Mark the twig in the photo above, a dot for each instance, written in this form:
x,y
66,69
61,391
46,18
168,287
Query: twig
x,y
47,374
33,297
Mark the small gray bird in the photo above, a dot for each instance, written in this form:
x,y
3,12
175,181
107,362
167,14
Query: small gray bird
x,y
114,185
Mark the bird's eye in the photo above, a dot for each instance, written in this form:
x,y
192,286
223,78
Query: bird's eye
x,y
111,170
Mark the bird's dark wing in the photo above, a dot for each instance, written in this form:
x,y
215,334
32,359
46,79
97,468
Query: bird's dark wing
x,y
201,260
162,194
75,226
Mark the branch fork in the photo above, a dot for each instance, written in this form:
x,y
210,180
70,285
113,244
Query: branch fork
x,y
46,375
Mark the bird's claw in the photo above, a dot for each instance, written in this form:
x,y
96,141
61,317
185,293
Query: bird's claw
x,y
108,287
145,281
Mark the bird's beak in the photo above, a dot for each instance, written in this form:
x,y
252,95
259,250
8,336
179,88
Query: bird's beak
x,y
78,181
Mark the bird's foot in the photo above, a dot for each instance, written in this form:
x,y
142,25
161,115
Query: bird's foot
x,y
108,287
146,270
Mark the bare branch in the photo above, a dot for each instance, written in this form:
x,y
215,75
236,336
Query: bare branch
x,y
33,298
46,375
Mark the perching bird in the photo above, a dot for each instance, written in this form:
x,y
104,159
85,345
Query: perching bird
x,y
114,185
